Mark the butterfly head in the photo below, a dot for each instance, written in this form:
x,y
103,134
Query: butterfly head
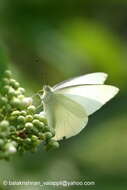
x,y
47,88
47,91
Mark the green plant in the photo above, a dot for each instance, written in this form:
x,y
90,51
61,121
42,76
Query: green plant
x,y
21,127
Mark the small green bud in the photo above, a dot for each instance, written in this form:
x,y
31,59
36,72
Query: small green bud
x,y
29,125
36,122
28,140
19,139
42,117
6,89
11,92
34,138
31,109
4,124
3,100
36,116
53,144
15,113
24,113
21,119
41,125
21,96
10,148
8,73
14,83
28,118
46,128
21,90
52,130
6,81
48,135
15,102
8,107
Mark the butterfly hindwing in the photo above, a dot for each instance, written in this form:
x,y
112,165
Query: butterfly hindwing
x,y
66,116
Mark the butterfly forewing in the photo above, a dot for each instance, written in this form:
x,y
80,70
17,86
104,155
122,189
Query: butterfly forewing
x,y
91,97
93,78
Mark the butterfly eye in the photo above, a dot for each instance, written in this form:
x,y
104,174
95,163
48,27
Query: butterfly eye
x,y
47,88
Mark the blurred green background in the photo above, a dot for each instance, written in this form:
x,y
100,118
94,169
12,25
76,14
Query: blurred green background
x,y
47,41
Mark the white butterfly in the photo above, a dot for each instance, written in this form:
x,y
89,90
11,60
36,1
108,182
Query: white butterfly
x,y
68,104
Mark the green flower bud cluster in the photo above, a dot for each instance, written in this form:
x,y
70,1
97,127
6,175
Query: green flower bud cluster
x,y
21,128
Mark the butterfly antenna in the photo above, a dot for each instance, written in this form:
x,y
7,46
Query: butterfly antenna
x,y
39,93
45,81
